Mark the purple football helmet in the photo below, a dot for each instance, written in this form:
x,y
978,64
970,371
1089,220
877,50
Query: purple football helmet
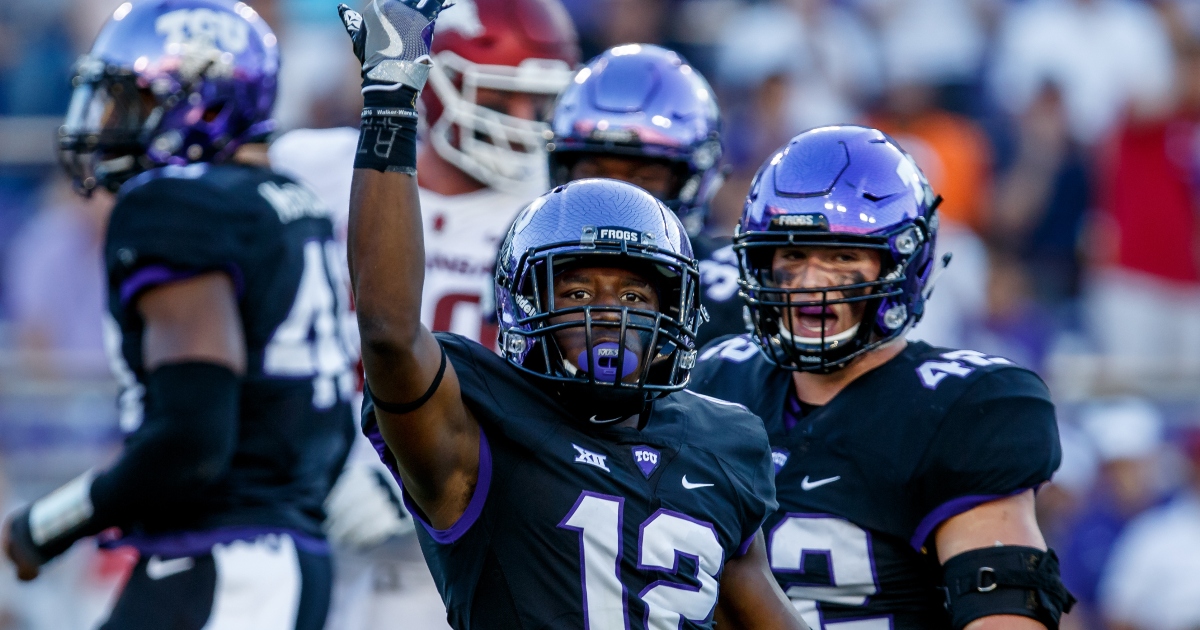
x,y
168,82
643,101
843,186
599,223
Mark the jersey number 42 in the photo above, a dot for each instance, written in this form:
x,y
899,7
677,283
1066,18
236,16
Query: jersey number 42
x,y
846,549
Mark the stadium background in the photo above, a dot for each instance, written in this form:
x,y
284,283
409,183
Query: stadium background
x,y
1064,134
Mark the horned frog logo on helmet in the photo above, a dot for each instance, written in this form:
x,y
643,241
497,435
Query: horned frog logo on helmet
x,y
203,29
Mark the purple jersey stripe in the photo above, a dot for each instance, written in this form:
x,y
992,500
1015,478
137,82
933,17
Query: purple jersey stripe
x,y
150,277
197,543
950,509
155,275
745,546
474,508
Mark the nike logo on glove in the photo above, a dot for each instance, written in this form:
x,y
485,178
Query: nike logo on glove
x,y
157,568
693,486
805,484
395,46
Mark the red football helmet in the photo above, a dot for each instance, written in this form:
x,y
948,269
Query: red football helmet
x,y
525,46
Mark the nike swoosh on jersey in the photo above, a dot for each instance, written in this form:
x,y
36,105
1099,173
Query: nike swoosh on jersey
x,y
157,568
692,486
805,484
395,46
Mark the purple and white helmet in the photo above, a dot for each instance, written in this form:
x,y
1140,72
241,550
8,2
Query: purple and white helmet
x,y
842,186
599,223
168,82
643,101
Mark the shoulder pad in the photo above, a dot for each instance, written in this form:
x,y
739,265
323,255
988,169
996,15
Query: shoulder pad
x,y
191,171
936,367
731,349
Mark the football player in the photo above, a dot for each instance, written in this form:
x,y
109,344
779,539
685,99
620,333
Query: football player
x,y
641,114
497,67
905,473
224,326
569,482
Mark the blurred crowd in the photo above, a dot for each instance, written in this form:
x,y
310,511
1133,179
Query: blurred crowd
x,y
1064,136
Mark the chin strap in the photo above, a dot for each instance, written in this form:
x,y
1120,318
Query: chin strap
x,y
937,273
845,335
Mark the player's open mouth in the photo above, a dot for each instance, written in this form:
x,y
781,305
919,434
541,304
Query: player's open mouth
x,y
811,321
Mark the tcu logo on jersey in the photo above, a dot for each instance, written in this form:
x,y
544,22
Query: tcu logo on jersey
x,y
779,457
646,459
932,373
201,29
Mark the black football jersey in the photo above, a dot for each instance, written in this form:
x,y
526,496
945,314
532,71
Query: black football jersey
x,y
602,528
718,289
274,239
864,481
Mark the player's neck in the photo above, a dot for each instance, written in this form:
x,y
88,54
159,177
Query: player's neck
x,y
819,389
437,175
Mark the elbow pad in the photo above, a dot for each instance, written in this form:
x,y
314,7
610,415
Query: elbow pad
x,y
1005,580
188,438
190,425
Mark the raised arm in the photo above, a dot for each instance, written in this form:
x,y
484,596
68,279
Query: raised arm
x,y
418,404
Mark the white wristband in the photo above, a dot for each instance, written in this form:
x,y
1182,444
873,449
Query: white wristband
x,y
62,510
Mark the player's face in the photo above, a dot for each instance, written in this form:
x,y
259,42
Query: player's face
x,y
820,268
521,105
601,287
655,176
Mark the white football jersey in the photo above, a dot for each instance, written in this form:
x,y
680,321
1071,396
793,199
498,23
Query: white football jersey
x,y
462,235
462,232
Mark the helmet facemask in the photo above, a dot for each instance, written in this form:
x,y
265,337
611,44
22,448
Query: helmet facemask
x,y
502,151
772,307
623,357
102,141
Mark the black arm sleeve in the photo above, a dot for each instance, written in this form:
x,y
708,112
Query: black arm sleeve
x,y
185,444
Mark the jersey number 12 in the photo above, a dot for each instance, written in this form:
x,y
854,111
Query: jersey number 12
x,y
662,539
